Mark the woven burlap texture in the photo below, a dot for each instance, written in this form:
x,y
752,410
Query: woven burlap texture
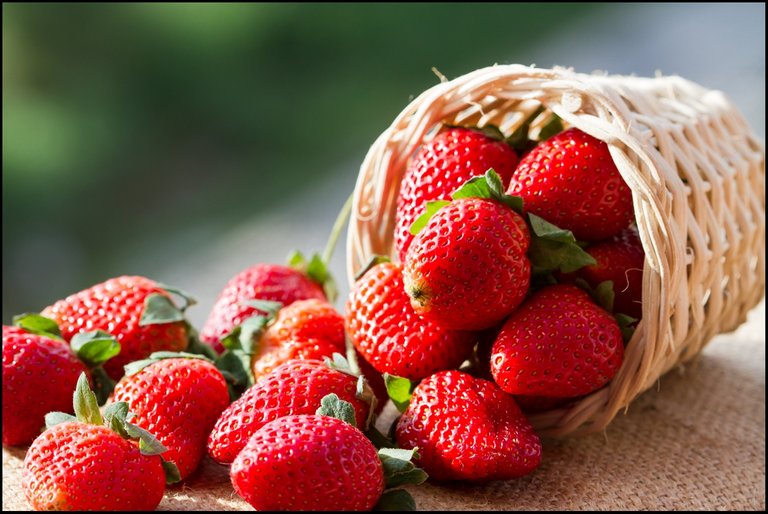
x,y
697,442
697,175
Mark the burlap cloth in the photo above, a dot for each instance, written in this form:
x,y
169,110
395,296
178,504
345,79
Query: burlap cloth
x,y
697,442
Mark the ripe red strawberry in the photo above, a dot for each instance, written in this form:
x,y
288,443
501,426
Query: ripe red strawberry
x,y
466,428
77,466
295,387
570,180
117,306
259,282
619,259
308,462
388,333
454,156
306,329
39,376
178,399
468,268
89,463
557,344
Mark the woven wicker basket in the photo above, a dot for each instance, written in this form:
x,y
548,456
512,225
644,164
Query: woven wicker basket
x,y
697,175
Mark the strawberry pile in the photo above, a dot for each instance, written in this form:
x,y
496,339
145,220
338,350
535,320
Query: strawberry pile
x,y
265,389
517,283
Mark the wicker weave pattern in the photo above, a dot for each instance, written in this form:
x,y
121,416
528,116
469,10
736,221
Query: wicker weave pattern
x,y
697,174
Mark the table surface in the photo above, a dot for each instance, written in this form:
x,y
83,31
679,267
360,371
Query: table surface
x,y
696,442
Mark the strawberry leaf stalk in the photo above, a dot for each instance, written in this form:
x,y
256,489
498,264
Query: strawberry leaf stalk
x,y
115,418
93,348
316,267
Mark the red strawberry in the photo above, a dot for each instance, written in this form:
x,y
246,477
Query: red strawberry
x,y
88,463
388,333
76,466
178,400
295,387
619,259
466,428
571,181
306,329
259,282
454,156
117,306
308,462
39,376
468,269
557,344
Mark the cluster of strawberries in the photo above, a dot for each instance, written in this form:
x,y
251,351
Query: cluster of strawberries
x,y
526,270
497,306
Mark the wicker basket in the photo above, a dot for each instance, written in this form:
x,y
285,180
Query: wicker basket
x,y
697,175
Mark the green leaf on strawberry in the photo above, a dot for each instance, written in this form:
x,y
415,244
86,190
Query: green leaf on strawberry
x,y
317,270
333,406
627,324
488,186
395,500
84,401
399,468
188,299
136,366
37,324
553,248
95,348
55,418
431,208
159,309
399,390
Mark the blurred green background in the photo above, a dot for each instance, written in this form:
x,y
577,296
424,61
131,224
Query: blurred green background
x,y
185,142
129,125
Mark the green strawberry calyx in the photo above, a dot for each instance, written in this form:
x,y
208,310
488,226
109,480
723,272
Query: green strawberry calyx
x,y
397,464
241,343
603,295
38,324
134,367
116,417
488,186
400,390
372,263
553,248
363,389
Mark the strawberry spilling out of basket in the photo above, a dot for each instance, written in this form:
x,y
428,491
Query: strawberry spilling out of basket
x,y
517,285
534,271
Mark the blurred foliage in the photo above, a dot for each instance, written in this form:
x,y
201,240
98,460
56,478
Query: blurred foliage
x,y
126,126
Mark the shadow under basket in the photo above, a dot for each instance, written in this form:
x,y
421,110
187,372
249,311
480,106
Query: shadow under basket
x,y
697,175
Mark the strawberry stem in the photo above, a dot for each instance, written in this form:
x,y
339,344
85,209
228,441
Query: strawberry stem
x,y
338,226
